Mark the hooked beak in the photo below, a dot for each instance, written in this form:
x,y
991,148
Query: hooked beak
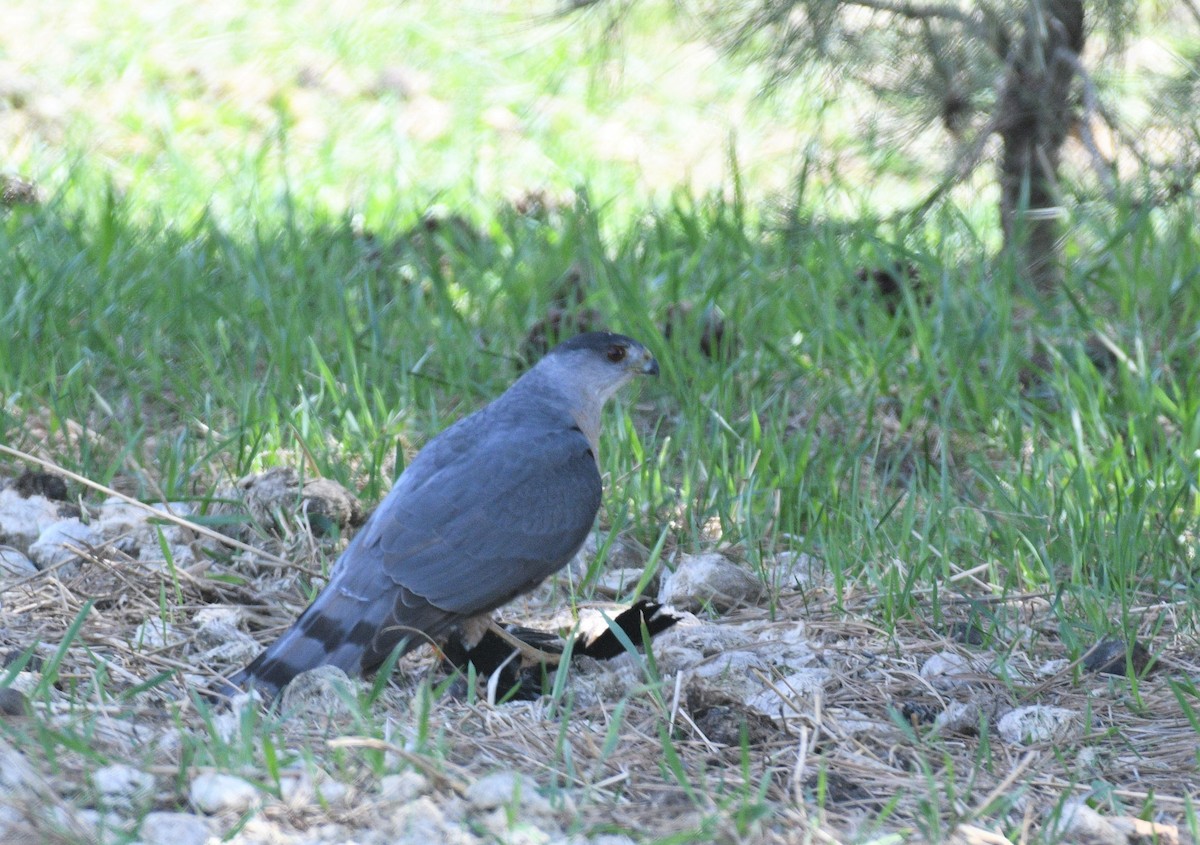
x,y
648,365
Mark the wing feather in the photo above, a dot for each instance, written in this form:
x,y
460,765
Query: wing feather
x,y
476,526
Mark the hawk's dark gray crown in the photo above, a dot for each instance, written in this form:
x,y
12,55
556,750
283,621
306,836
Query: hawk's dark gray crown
x,y
598,341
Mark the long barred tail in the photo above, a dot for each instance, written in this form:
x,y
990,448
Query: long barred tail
x,y
352,633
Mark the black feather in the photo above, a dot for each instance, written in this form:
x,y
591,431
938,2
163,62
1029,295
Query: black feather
x,y
493,654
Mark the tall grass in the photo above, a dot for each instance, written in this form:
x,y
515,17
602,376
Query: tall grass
x,y
901,440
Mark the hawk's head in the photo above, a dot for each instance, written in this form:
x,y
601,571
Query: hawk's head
x,y
599,363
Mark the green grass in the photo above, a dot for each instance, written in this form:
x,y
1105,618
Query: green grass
x,y
967,430
224,290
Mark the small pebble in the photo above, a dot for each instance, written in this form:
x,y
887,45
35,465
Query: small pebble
x,y
1080,823
22,520
215,792
219,640
960,717
948,670
329,506
13,564
271,494
1037,724
161,828
790,696
709,580
325,691
13,702
501,789
423,822
123,785
403,787
53,547
300,788
1113,657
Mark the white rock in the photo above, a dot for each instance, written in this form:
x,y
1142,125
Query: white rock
x,y
217,615
709,580
23,520
502,789
241,650
737,674
727,663
948,670
422,822
118,519
104,827
325,691
53,546
169,743
784,644
704,636
26,682
11,823
14,564
161,828
1039,724
966,717
676,659
123,785
30,807
790,696
687,643
514,830
960,717
218,633
215,792
220,641
402,787
228,722
594,682
1080,823
300,788
271,494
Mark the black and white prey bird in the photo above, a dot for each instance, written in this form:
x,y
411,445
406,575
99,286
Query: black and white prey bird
x,y
485,512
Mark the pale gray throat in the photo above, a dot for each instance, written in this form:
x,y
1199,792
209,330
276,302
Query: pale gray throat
x,y
589,424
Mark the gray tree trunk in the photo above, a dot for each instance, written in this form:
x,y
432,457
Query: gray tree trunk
x,y
1036,113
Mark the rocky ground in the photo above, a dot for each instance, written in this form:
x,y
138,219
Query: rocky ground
x,y
777,710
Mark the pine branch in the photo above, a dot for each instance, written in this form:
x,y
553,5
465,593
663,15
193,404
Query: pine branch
x,y
921,12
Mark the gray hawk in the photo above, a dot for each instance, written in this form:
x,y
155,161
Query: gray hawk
x,y
486,511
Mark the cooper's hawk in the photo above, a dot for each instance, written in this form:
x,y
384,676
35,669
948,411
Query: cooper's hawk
x,y
485,512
